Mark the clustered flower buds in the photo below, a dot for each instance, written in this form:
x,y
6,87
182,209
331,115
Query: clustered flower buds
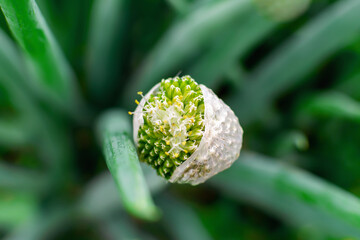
x,y
179,132
173,125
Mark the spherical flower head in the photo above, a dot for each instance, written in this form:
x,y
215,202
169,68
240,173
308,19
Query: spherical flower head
x,y
185,131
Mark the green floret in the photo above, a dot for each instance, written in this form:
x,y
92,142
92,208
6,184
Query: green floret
x,y
173,124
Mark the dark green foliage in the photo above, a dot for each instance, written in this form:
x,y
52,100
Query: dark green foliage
x,y
69,167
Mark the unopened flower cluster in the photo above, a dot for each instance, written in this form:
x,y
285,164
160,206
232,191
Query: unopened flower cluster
x,y
173,124
185,131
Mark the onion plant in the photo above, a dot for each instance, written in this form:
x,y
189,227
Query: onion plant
x,y
75,165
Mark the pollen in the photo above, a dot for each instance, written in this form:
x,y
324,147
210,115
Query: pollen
x,y
130,113
137,102
167,115
140,93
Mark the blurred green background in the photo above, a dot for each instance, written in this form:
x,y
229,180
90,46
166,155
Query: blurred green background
x,y
289,69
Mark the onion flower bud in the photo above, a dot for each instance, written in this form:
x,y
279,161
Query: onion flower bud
x,y
185,132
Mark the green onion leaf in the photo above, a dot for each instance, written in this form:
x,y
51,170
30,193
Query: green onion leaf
x,y
15,178
333,104
123,163
295,196
335,28
178,213
233,44
183,40
53,77
105,38
16,208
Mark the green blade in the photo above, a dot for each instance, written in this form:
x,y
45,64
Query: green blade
x,y
43,224
233,44
180,6
93,204
13,77
177,214
12,133
52,140
120,226
335,28
12,65
350,86
52,143
291,194
16,208
333,104
14,178
53,77
123,163
104,42
183,40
